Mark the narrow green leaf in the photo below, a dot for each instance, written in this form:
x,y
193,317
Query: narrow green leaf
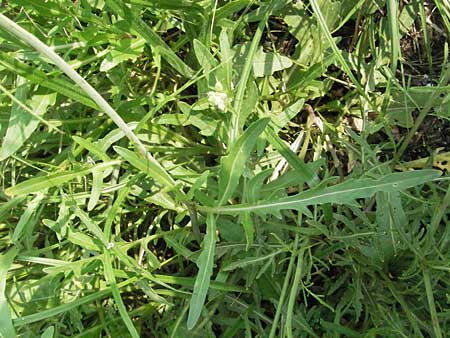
x,y
44,182
150,36
92,148
21,123
150,166
233,165
308,174
279,121
245,75
97,184
92,226
251,194
336,50
54,311
204,57
394,32
344,193
110,278
6,325
205,264
226,56
26,218
34,75
249,261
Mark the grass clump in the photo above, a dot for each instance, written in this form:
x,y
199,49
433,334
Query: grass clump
x,y
224,168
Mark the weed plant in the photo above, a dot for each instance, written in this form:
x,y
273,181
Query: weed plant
x,y
244,168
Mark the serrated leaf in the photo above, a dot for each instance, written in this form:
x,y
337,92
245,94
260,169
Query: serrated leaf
x,y
249,261
205,264
344,193
233,165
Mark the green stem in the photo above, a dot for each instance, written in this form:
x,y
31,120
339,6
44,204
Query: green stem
x,y
14,29
430,297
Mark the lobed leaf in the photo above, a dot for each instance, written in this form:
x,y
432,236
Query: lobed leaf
x,y
344,193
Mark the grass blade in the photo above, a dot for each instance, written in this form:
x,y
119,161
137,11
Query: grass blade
x,y
6,325
394,31
110,278
34,75
205,264
149,166
430,297
150,36
335,48
38,184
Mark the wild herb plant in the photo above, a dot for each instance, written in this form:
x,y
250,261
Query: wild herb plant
x,y
224,168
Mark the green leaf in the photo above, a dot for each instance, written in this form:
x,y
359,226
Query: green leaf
x,y
93,148
344,193
49,332
307,174
233,165
111,279
126,49
205,264
242,263
34,75
150,166
245,75
6,326
21,123
38,184
26,218
97,183
268,63
150,36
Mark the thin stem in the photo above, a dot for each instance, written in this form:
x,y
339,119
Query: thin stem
x,y
14,29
